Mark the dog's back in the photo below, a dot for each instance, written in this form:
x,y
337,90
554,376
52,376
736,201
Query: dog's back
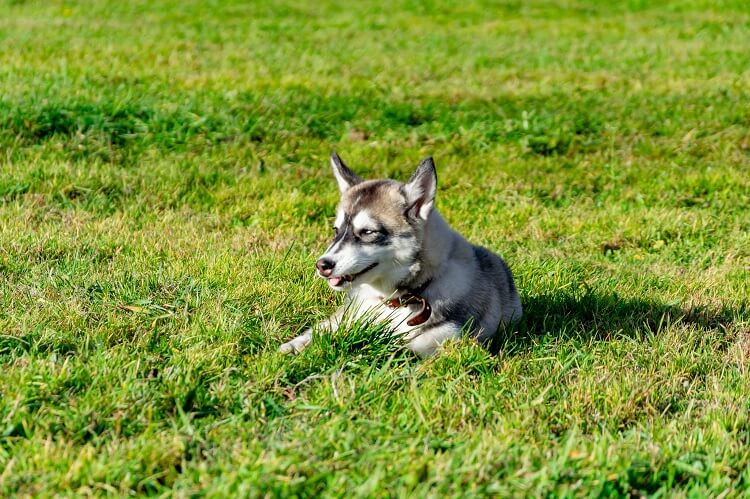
x,y
472,287
495,273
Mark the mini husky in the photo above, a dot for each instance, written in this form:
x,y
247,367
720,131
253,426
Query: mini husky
x,y
401,262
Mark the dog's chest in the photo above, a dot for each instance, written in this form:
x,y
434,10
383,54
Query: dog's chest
x,y
370,303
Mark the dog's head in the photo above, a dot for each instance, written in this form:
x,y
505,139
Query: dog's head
x,y
379,227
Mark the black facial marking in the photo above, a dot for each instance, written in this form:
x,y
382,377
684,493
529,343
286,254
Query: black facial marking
x,y
344,233
367,235
347,233
363,197
380,238
338,234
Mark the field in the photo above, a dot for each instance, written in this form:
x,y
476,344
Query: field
x,y
164,192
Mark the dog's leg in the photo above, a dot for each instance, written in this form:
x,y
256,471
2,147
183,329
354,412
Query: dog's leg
x,y
299,343
426,343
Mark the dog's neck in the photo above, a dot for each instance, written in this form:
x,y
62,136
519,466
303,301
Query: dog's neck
x,y
437,243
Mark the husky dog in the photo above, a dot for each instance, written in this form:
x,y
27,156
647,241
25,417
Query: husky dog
x,y
400,262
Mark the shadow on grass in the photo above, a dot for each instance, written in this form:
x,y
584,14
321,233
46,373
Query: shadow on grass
x,y
601,317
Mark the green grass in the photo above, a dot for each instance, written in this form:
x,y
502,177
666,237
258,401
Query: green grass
x,y
164,191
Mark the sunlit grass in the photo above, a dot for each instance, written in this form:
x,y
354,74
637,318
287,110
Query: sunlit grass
x,y
164,191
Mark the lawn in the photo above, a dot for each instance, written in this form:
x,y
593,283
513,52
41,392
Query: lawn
x,y
165,191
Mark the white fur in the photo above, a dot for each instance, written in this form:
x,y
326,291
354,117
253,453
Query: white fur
x,y
426,344
339,218
434,250
363,220
422,187
368,297
368,302
334,247
352,259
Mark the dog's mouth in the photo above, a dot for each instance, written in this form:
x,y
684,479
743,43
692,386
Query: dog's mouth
x,y
339,280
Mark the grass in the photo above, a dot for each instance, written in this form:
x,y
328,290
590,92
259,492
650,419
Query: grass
x,y
164,192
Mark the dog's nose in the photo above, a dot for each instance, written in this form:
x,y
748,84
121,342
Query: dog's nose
x,y
325,266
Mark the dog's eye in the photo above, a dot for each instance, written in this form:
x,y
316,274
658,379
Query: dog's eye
x,y
368,232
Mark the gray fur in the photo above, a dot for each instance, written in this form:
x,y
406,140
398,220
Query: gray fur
x,y
390,241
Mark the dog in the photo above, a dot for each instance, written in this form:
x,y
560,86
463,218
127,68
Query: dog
x,y
399,261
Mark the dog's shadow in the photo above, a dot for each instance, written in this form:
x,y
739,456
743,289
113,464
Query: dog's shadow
x,y
600,317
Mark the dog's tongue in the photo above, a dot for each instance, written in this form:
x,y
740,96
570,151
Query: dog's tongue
x,y
335,281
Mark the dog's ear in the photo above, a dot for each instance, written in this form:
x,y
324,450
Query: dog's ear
x,y
344,176
420,190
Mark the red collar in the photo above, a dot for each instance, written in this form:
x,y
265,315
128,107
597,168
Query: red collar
x,y
409,298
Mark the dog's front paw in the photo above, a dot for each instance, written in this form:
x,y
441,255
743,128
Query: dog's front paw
x,y
297,344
